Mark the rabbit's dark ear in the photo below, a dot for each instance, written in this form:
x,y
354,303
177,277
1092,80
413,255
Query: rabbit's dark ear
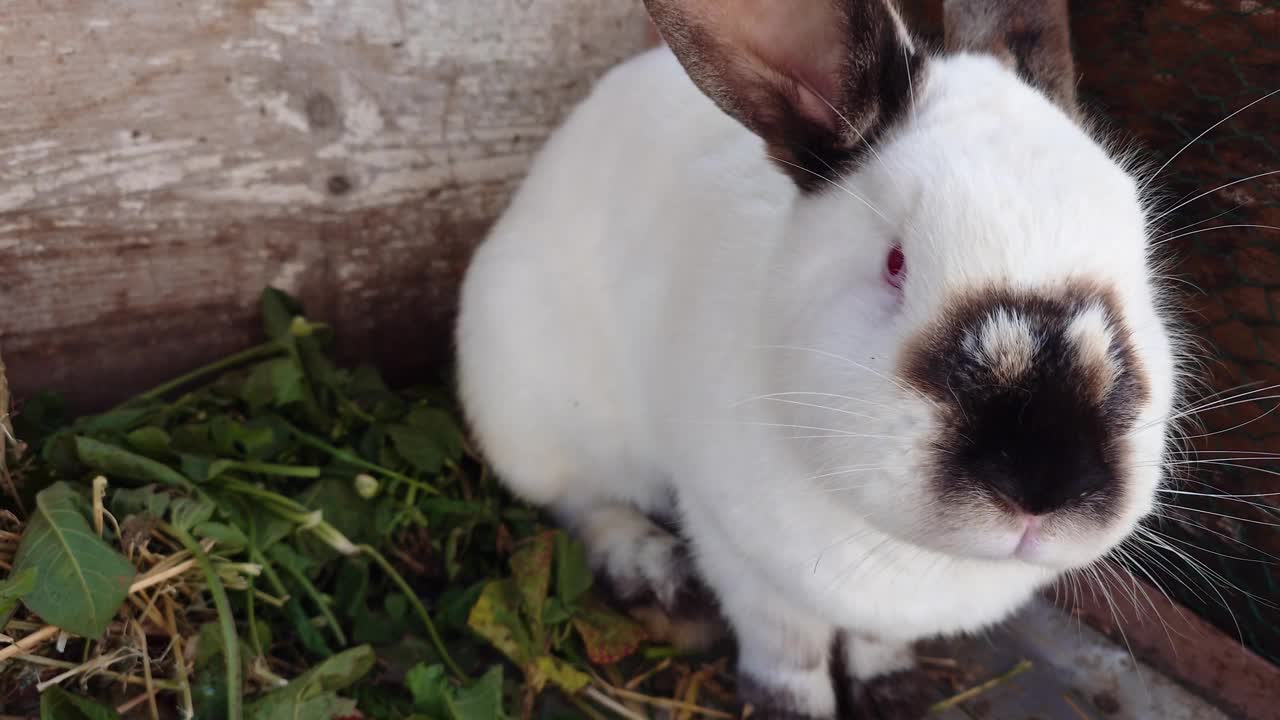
x,y
1032,36
818,80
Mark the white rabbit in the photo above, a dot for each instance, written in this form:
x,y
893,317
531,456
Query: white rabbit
x,y
875,332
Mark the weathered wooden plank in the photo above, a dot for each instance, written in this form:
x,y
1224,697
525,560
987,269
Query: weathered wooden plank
x,y
162,160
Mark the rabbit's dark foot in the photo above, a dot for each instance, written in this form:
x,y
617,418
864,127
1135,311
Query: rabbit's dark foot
x,y
902,695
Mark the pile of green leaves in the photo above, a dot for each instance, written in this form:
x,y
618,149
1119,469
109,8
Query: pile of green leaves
x,y
351,556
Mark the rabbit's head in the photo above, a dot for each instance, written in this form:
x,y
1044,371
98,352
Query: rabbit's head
x,y
968,343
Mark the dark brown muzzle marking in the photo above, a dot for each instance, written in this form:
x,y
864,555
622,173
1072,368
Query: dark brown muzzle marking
x,y
1037,392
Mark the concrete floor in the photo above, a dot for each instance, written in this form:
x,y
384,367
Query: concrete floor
x,y
1075,673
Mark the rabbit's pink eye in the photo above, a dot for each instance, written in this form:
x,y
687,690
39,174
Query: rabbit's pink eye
x,y
895,266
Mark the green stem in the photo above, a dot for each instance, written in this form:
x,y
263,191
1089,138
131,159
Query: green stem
x,y
356,460
296,513
244,488
250,595
230,641
254,640
254,353
261,468
975,691
400,582
310,590
276,583
354,408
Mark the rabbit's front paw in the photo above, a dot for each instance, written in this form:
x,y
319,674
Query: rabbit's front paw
x,y
780,700
648,571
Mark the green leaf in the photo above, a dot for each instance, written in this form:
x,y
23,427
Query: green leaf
x,y
58,704
268,527
481,701
435,696
12,589
531,570
311,694
607,636
116,462
209,683
196,467
114,421
416,448
555,612
573,574
41,415
307,633
336,498
278,311
453,552
186,513
430,689
440,427
274,383
352,587
145,500
149,440
229,538
259,438
83,582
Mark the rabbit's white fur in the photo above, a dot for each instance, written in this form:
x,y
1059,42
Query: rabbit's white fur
x,y
656,276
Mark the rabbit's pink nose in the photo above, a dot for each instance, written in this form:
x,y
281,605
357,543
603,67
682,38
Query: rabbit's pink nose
x,y
895,266
1030,541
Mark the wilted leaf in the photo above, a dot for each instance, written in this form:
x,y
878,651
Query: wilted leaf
x,y
607,635
116,462
563,675
531,569
12,589
58,704
83,582
311,694
496,618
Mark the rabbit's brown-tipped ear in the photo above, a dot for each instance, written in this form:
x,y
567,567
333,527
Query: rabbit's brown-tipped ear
x,y
818,80
1032,36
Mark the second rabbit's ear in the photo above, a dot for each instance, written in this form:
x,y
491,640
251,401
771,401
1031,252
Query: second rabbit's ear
x,y
1031,36
818,80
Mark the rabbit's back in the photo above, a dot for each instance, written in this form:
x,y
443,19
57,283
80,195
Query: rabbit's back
x,y
594,311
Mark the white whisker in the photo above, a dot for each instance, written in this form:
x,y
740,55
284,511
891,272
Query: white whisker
x,y
1215,227
833,183
1196,139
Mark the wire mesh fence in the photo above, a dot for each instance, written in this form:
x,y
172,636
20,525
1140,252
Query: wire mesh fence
x,y
1162,72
